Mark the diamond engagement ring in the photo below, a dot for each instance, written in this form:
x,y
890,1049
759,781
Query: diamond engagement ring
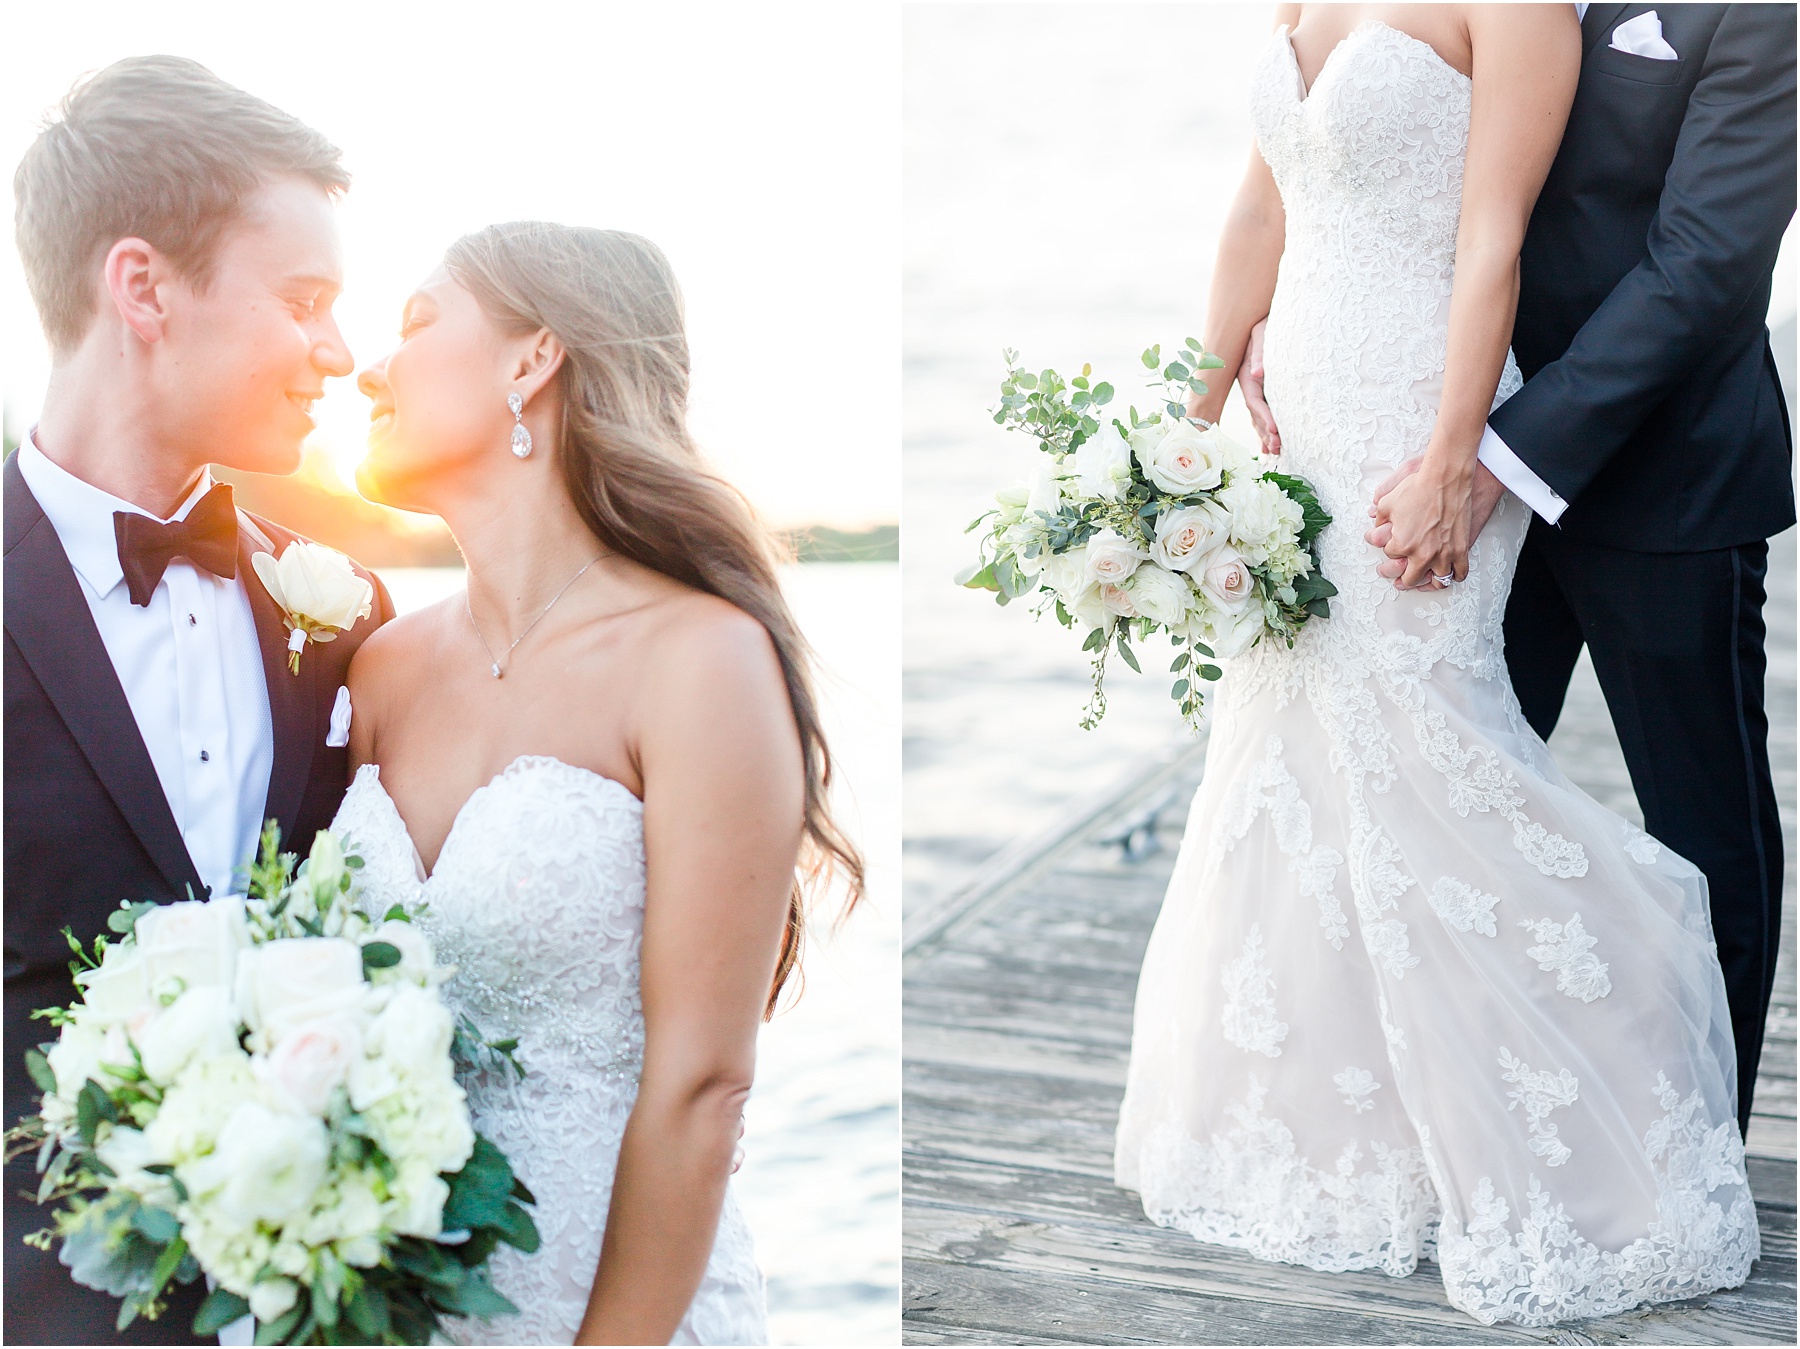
x,y
1445,579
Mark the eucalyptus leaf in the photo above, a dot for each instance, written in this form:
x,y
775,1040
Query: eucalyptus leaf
x,y
220,1310
38,1067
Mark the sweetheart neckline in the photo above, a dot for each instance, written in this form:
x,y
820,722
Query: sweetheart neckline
x,y
532,760
1306,91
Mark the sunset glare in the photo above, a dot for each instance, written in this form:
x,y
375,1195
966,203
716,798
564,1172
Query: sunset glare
x,y
780,213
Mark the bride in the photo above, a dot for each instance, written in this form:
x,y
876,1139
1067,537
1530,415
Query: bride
x,y
597,768
1412,994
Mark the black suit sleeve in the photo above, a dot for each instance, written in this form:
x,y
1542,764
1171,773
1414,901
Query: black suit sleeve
x,y
1726,200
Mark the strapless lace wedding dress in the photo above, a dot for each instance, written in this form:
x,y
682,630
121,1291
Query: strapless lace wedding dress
x,y
1411,991
538,900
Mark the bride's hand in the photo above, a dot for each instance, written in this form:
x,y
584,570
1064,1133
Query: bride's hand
x,y
1428,516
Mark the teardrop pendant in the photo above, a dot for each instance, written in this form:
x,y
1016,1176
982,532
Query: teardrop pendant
x,y
521,441
498,673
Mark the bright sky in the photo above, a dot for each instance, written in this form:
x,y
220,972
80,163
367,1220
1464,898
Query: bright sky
x,y
757,144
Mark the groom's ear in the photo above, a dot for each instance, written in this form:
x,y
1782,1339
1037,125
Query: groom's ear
x,y
137,276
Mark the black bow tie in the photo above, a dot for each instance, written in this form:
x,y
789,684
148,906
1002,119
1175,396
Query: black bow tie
x,y
207,538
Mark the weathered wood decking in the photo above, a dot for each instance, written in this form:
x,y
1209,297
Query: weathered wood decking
x,y
1019,991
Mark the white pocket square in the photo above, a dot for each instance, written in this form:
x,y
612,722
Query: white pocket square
x,y
1642,36
339,734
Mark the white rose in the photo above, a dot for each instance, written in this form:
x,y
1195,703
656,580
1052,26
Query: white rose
x,y
1111,559
285,984
318,584
311,1061
1232,634
1103,464
1238,457
119,990
1066,573
1117,601
1186,535
272,1299
1226,581
201,1023
196,942
1160,596
1184,461
266,1166
75,1057
413,1033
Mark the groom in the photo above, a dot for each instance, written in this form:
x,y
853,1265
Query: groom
x,y
1651,440
178,239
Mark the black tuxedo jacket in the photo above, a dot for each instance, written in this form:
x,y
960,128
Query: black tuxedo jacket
x,y
87,826
1651,401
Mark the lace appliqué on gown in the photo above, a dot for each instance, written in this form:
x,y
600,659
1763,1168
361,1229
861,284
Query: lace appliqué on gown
x,y
538,900
1386,750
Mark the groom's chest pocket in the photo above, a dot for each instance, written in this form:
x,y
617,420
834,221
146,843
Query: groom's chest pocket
x,y
1628,113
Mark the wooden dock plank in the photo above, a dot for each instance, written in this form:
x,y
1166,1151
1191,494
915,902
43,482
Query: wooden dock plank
x,y
1018,1029
1018,1023
1034,1220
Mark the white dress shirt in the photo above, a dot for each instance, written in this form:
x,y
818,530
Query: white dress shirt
x,y
190,665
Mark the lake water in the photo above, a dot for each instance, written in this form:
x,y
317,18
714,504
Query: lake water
x,y
820,1182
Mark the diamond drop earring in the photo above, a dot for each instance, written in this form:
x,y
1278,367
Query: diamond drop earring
x,y
521,438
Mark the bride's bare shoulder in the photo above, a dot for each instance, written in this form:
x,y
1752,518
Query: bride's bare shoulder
x,y
1543,29
701,654
399,646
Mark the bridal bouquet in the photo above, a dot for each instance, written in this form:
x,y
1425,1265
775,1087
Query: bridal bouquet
x,y
1152,524
260,1089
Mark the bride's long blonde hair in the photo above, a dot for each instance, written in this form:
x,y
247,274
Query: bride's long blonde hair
x,y
636,477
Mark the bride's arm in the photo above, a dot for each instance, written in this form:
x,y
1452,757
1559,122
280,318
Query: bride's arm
x,y
720,761
1526,61
1243,277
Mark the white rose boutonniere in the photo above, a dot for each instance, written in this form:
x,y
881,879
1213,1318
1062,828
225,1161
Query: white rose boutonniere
x,y
318,591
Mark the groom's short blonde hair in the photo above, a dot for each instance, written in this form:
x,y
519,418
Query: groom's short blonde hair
x,y
153,147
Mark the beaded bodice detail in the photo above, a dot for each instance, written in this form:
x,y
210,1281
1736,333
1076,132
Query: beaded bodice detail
x,y
554,964
538,900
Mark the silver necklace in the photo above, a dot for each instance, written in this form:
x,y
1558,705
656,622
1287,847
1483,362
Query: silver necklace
x,y
494,665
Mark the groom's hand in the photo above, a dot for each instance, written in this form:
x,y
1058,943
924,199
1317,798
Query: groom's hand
x,y
1485,497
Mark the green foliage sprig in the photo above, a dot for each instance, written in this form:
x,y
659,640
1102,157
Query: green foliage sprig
x,y
1061,416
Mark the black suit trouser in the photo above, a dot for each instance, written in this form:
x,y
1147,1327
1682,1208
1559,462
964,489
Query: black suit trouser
x,y
1677,642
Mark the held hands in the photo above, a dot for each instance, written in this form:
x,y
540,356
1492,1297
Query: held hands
x,y
1426,521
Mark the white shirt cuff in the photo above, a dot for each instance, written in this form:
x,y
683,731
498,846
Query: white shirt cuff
x,y
1516,477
